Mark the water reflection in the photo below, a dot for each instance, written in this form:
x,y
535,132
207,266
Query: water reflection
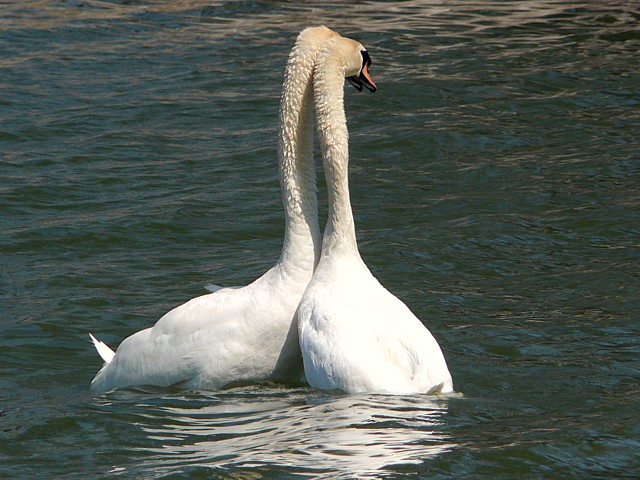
x,y
311,432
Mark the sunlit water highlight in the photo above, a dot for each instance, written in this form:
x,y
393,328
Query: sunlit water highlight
x,y
279,430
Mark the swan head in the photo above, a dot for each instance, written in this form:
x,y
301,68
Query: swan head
x,y
362,78
352,59
358,62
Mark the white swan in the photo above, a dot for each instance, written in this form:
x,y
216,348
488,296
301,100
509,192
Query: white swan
x,y
355,335
244,334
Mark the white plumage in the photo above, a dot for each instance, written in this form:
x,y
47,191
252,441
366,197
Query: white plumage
x,y
355,335
244,334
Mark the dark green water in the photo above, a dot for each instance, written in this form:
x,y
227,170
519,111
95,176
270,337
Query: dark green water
x,y
495,180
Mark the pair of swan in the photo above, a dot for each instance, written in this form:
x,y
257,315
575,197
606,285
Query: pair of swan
x,y
353,334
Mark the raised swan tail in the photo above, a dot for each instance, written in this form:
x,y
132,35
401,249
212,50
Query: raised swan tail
x,y
103,349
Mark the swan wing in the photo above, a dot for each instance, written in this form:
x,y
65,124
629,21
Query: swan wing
x,y
408,349
358,337
159,355
209,341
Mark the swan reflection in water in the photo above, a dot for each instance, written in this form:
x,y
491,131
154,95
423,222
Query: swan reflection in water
x,y
307,431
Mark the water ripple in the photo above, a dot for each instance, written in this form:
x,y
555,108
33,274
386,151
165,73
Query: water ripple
x,y
301,432
495,184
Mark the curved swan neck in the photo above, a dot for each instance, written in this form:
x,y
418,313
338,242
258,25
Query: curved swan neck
x,y
334,139
295,149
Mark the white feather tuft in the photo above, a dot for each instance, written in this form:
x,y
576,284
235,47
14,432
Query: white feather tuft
x,y
103,349
211,288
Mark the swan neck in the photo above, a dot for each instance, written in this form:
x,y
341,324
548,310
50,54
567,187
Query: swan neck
x,y
295,151
334,139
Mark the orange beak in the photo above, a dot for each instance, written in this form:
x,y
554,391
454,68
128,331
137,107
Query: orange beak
x,y
364,79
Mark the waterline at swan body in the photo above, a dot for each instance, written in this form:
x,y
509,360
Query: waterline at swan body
x,y
245,334
355,335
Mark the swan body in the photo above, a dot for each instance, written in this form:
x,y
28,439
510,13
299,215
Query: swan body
x,y
242,334
355,335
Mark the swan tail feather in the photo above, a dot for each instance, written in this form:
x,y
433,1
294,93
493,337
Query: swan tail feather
x,y
103,349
